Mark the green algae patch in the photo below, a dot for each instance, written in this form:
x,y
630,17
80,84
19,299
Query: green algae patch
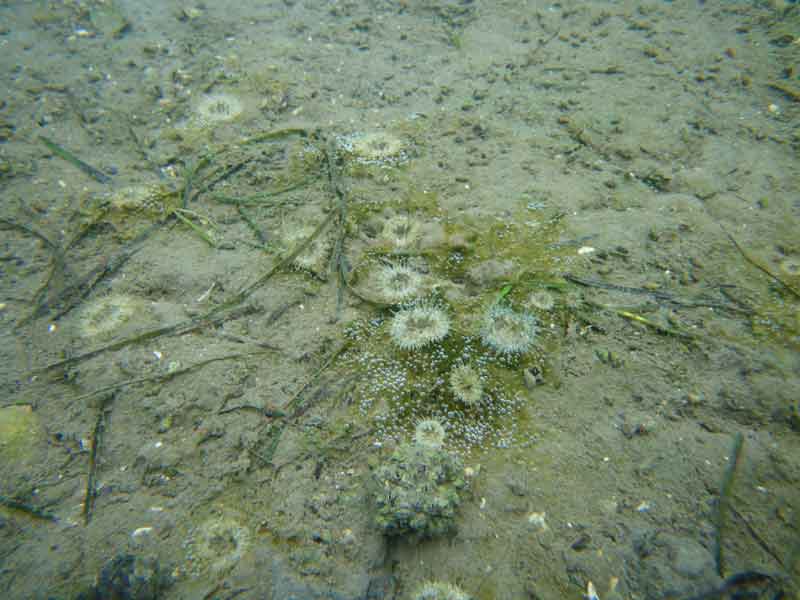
x,y
20,430
778,320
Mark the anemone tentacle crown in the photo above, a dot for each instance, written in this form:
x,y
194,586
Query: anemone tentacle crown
x,y
417,326
507,331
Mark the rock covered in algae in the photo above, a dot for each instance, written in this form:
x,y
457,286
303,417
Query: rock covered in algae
x,y
418,491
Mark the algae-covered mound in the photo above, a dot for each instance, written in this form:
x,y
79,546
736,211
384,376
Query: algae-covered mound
x,y
418,491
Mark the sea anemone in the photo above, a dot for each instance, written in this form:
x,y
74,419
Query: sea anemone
x,y
542,299
401,231
315,255
215,108
417,326
466,384
429,433
437,590
398,283
507,331
374,148
217,544
104,316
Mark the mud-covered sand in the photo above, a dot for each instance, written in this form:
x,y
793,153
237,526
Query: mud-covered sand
x,y
179,388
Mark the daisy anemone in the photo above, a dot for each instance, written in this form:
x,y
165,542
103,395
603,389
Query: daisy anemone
x,y
401,231
398,283
507,331
419,325
314,256
437,590
429,433
466,384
